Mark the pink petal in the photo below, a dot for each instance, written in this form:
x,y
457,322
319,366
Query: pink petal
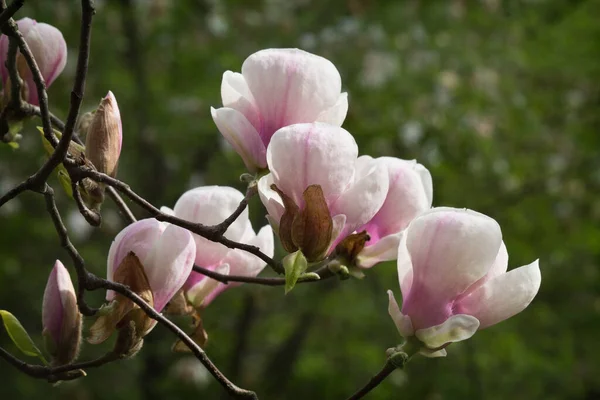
x,y
312,154
138,237
201,293
363,199
502,296
409,194
242,136
450,249
169,264
385,249
58,288
290,86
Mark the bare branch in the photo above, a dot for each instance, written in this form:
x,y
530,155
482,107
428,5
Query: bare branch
x,y
387,369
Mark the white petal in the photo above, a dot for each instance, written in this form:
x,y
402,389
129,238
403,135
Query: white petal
x,y
402,322
236,94
241,135
404,265
503,296
339,222
49,49
361,201
169,264
246,264
201,290
211,205
290,86
270,199
385,249
336,114
312,154
432,353
454,329
450,249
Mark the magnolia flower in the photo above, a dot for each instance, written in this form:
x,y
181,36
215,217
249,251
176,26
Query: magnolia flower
x,y
49,50
60,316
452,269
318,190
410,193
104,136
211,205
165,251
277,88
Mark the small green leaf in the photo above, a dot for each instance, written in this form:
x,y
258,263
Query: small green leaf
x,y
19,336
65,182
13,145
294,264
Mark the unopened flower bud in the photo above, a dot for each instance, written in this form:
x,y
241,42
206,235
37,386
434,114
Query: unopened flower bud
x,y
60,316
308,229
49,49
104,136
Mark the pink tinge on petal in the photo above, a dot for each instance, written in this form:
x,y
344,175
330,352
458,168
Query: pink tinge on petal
x,y
24,24
450,249
139,237
290,86
52,308
312,154
169,264
407,197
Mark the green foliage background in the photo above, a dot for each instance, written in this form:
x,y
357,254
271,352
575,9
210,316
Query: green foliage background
x,y
500,100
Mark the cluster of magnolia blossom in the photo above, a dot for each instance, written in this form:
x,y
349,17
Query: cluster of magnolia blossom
x,y
328,205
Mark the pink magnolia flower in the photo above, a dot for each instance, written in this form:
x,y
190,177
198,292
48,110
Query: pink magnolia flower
x,y
452,269
105,136
410,193
277,87
166,252
60,316
304,155
49,49
210,205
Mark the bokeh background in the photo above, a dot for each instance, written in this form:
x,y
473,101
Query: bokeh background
x,y
499,99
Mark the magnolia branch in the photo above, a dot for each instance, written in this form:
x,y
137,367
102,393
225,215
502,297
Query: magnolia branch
x,y
387,369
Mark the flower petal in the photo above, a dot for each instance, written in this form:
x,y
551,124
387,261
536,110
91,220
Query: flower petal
x,y
402,322
361,201
241,135
290,86
138,237
236,94
211,205
198,294
336,114
450,249
502,296
454,329
312,154
409,194
385,249
270,199
169,264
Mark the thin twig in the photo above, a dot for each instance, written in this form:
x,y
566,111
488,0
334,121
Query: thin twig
x,y
93,218
125,210
257,280
208,232
65,242
387,369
